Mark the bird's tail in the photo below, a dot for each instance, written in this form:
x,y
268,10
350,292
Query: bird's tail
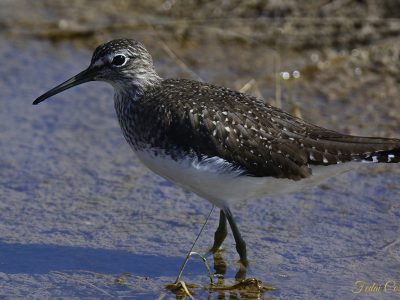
x,y
329,147
389,156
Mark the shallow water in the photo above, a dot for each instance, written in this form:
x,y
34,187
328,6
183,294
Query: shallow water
x,y
81,218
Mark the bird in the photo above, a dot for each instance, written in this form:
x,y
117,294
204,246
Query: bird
x,y
223,145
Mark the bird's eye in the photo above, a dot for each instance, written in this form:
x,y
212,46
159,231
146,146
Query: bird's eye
x,y
118,60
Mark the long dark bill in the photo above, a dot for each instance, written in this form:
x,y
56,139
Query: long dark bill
x,y
82,77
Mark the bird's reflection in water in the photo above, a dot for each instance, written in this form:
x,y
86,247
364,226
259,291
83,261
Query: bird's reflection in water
x,y
220,267
241,288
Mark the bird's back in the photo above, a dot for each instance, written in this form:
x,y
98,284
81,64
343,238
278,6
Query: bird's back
x,y
185,117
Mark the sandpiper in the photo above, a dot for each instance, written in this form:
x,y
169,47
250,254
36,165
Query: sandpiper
x,y
223,145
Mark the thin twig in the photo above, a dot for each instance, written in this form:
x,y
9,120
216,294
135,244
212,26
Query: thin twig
x,y
185,288
278,87
248,85
84,282
191,248
172,54
206,265
180,62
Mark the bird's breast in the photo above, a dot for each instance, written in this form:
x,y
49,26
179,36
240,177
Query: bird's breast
x,y
137,125
212,178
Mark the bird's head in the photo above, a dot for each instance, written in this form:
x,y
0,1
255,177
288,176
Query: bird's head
x,y
124,63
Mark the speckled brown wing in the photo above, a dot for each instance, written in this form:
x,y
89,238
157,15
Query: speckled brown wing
x,y
326,147
257,138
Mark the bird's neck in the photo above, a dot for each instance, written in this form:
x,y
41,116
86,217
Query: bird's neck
x,y
127,97
127,102
134,88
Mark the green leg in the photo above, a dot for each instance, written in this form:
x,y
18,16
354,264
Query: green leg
x,y
220,233
240,243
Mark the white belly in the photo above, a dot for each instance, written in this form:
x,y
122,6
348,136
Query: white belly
x,y
218,182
